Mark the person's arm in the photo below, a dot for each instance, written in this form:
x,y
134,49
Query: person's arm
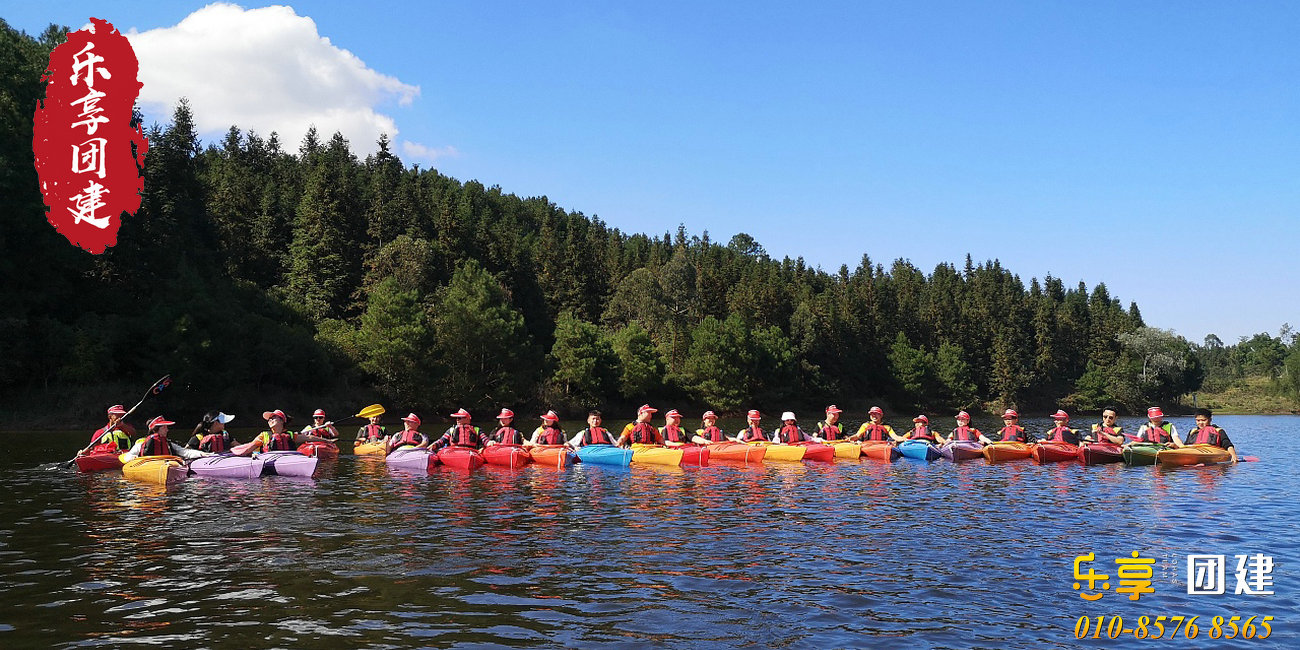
x,y
192,443
1173,436
134,452
187,454
576,440
940,438
895,436
985,439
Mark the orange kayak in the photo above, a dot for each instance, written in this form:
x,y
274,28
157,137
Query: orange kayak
x,y
1193,455
880,450
1000,451
550,455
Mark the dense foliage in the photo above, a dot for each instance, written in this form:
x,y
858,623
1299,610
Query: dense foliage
x,y
258,273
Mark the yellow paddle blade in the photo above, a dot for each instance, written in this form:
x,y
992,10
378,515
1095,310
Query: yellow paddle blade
x,y
371,411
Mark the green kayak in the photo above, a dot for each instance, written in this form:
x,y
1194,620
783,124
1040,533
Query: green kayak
x,y
1142,453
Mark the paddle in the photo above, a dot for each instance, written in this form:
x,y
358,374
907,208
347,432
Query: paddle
x,y
155,389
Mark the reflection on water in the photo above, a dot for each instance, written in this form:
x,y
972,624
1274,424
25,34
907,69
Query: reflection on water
x,y
849,553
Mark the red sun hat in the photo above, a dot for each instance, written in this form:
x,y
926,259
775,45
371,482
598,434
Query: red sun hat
x,y
755,415
646,408
320,413
159,421
277,413
117,409
1155,412
876,409
460,414
672,414
551,417
833,409
505,413
921,418
413,418
963,416
1060,415
709,414
1010,413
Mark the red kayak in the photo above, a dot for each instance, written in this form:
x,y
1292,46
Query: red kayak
x,y
321,450
550,455
1055,452
461,458
694,454
1096,453
880,450
511,456
818,452
98,462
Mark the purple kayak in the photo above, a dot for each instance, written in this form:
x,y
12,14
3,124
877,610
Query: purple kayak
x,y
288,463
227,466
962,450
415,460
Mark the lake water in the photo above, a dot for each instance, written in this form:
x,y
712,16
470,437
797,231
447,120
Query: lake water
x,y
843,554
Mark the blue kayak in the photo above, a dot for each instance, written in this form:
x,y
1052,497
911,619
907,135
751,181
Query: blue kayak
x,y
605,455
919,450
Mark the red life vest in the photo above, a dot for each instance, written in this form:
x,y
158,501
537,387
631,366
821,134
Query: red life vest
x,y
1210,435
407,437
508,436
1114,431
213,442
753,434
876,432
1058,435
282,441
155,445
596,436
1013,433
644,433
465,435
373,432
551,436
1157,434
830,432
674,433
965,434
790,434
713,434
925,434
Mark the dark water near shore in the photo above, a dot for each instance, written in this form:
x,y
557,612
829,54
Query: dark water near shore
x,y
848,554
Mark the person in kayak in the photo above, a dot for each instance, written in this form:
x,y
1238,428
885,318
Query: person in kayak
x,y
752,432
674,434
830,429
641,432
117,432
874,429
963,433
371,431
549,433
409,437
594,434
1011,431
790,433
920,431
1107,430
505,434
1157,430
319,427
1208,433
157,444
277,437
709,432
1062,432
461,434
211,435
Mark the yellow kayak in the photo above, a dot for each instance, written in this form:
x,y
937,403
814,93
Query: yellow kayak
x,y
656,455
852,450
790,453
369,448
156,469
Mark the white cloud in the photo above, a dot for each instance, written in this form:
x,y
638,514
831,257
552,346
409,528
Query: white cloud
x,y
265,70
416,152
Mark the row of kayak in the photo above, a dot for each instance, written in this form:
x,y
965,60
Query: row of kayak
x,y
1091,453
173,469
108,460
560,456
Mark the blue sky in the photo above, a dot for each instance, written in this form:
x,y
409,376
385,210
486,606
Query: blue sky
x,y
1150,146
